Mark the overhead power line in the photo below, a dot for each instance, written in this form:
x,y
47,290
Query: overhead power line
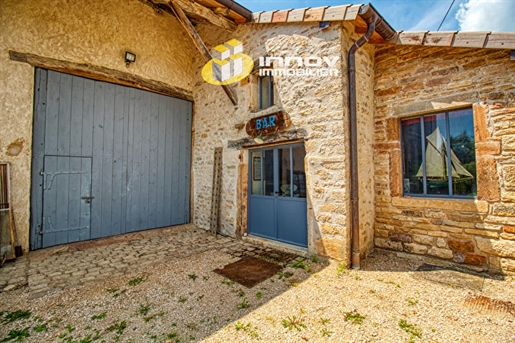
x,y
448,10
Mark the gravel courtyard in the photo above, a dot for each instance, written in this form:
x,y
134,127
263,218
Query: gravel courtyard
x,y
181,299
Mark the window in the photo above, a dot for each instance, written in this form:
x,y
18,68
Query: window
x,y
438,153
266,91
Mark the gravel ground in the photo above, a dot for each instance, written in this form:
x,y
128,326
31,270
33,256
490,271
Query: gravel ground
x,y
184,300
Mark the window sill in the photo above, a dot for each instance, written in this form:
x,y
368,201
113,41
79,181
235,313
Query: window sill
x,y
461,204
268,110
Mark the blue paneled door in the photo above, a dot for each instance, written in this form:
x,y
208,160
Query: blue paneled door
x,y
107,160
277,194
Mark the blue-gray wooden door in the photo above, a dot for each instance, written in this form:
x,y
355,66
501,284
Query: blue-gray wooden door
x,y
277,194
137,144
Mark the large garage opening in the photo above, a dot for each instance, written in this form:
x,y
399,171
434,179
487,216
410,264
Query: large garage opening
x,y
107,160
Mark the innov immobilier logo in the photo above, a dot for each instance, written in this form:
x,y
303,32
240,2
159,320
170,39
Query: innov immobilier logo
x,y
229,64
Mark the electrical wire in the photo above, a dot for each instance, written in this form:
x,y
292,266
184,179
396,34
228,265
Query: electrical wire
x,y
446,14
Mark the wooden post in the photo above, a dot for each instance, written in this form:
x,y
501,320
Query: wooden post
x,y
204,51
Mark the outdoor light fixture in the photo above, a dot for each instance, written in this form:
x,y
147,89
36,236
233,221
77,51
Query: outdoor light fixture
x,y
259,139
129,58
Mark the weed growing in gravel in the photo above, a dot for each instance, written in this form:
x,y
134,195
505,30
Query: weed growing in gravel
x,y
200,297
241,293
314,258
193,276
16,315
354,317
411,329
412,301
390,283
98,316
149,318
325,332
285,275
205,278
243,304
182,299
192,338
293,322
324,321
17,335
70,328
173,335
191,326
379,296
137,280
259,295
301,265
40,328
115,293
144,309
227,282
251,331
342,269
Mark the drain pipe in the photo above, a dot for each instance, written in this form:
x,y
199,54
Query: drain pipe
x,y
375,23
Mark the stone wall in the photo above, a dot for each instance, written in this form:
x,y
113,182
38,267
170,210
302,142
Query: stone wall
x,y
96,33
318,112
477,234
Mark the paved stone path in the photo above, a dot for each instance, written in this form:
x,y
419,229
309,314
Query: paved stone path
x,y
75,264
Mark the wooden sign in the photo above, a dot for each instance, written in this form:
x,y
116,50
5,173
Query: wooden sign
x,y
268,124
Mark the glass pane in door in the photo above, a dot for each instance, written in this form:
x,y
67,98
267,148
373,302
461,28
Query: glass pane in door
x,y
256,173
284,172
268,171
299,175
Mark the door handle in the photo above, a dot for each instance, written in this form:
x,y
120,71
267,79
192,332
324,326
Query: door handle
x,y
88,199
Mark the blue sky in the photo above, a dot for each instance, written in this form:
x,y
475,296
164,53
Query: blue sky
x,y
420,15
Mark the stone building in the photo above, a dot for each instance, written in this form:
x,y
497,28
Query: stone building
x,y
126,145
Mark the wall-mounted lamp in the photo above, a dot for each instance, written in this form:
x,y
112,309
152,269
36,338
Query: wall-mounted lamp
x,y
259,139
129,58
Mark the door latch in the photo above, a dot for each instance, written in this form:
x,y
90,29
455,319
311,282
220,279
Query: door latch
x,y
88,199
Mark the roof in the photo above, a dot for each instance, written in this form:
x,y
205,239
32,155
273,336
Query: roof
x,y
461,39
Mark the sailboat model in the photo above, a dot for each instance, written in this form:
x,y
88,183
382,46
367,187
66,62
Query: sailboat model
x,y
436,162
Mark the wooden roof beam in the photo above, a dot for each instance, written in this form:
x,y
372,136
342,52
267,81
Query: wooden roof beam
x,y
204,51
194,9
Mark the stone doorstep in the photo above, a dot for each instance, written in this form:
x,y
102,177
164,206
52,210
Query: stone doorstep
x,y
283,247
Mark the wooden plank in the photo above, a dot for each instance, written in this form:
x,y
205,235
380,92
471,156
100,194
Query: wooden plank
x,y
314,14
411,38
145,166
266,17
297,15
199,44
335,13
117,164
125,156
85,208
74,199
171,131
187,163
107,161
195,9
501,40
216,191
64,125
352,12
280,16
152,158
87,117
102,74
77,95
98,145
40,103
161,159
129,179
435,38
180,113
52,114
470,39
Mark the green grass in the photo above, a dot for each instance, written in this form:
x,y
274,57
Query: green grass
x,y
247,328
98,316
354,317
16,315
411,329
182,299
300,264
259,295
16,335
41,328
341,269
243,304
192,276
137,280
285,275
144,309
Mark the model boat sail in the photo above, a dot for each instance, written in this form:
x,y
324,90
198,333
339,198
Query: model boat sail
x,y
436,161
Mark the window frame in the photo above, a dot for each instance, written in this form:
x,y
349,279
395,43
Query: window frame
x,y
270,92
425,194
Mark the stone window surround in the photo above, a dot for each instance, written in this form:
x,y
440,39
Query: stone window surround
x,y
445,111
487,188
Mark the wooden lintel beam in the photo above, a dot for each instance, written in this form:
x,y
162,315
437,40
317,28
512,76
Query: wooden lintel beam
x,y
193,8
204,51
101,74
